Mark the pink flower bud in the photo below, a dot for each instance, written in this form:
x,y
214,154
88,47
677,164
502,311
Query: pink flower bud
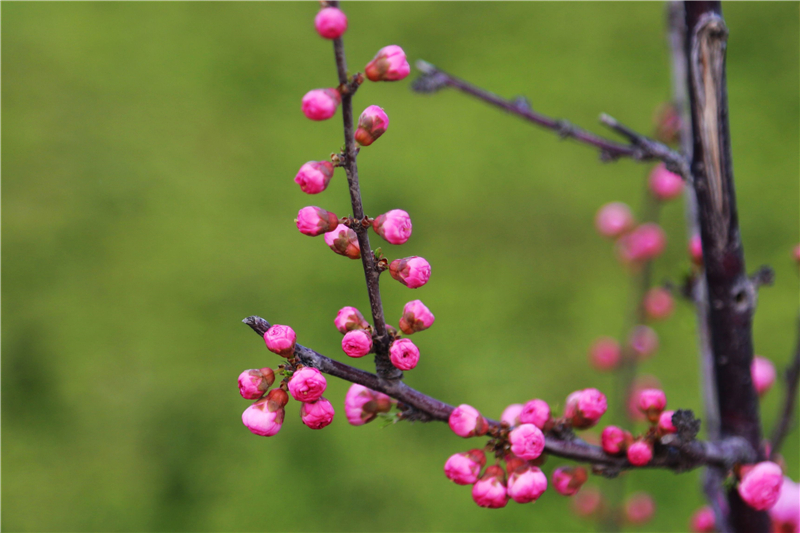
x,y
263,418
585,407
640,453
615,440
344,241
490,490
357,343
362,405
394,226
404,354
664,184
665,425
644,243
535,412
281,340
314,176
330,23
466,421
313,221
389,64
318,414
639,508
760,486
652,402
639,384
605,354
465,468
371,124
703,521
511,414
587,502
527,441
568,480
254,383
763,373
307,384
321,104
416,317
526,484
658,303
785,514
614,219
696,250
348,319
413,272
643,341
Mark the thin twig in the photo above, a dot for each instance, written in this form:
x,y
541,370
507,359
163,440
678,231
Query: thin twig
x,y
792,376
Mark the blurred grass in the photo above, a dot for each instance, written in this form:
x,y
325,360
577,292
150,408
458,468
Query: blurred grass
x,y
148,157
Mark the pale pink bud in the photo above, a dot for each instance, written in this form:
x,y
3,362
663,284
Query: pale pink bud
x,y
644,243
465,468
490,490
511,414
652,402
321,104
314,176
643,341
313,221
527,441
639,508
615,440
416,317
404,354
348,319
389,64
640,383
413,272
261,419
614,219
344,241
664,184
525,485
371,124
318,414
568,480
307,384
658,303
696,250
281,340
763,373
330,23
357,343
785,513
254,383
585,407
665,424
605,353
466,421
640,453
760,486
587,502
703,521
535,412
394,226
362,405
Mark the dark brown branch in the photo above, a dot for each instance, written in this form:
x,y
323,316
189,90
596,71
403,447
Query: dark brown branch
x,y
792,376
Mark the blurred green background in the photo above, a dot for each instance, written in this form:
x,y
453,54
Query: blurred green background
x,y
149,151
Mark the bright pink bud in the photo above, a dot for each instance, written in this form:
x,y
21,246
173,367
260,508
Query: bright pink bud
x,y
318,414
314,176
664,184
644,243
535,412
321,104
665,425
371,124
490,490
614,219
605,354
348,319
416,317
511,414
413,272
640,453
281,340
313,221
466,421
568,480
760,487
330,23
254,383
639,508
587,502
394,226
785,513
344,241
527,441
307,384
262,419
362,405
652,402
526,484
658,303
703,521
585,407
639,384
643,341
615,440
357,343
465,468
696,250
389,64
404,354
763,373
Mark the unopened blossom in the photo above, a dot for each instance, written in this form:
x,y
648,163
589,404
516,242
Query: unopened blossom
x,y
652,402
321,104
615,440
362,405
643,341
763,374
526,484
703,521
614,219
357,343
389,64
760,486
343,241
416,317
314,176
313,221
696,250
605,354
281,340
307,384
372,123
665,185
641,383
394,226
466,421
255,382
490,490
317,414
585,407
404,354
567,480
665,424
330,23
535,412
265,417
785,514
527,441
644,243
639,508
348,319
413,272
658,303
587,502
465,468
511,414
640,453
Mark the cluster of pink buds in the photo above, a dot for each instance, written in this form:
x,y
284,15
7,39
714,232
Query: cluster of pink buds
x,y
362,405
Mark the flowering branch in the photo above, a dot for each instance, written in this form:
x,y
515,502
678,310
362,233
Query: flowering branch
x,y
792,376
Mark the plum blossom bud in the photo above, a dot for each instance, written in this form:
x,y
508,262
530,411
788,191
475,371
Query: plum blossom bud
x,y
763,373
644,243
760,486
466,421
413,272
639,508
615,440
585,407
640,453
652,402
307,384
511,414
389,64
535,412
703,521
416,317
344,241
643,341
318,414
263,417
348,319
330,23
526,484
665,425
465,468
696,250
527,441
372,123
785,514
404,354
281,340
614,219
568,480
314,176
362,405
313,221
664,184
490,490
357,343
254,383
639,384
658,303
394,226
321,104
604,354
587,502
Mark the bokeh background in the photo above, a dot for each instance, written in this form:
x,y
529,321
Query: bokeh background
x,y
149,151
